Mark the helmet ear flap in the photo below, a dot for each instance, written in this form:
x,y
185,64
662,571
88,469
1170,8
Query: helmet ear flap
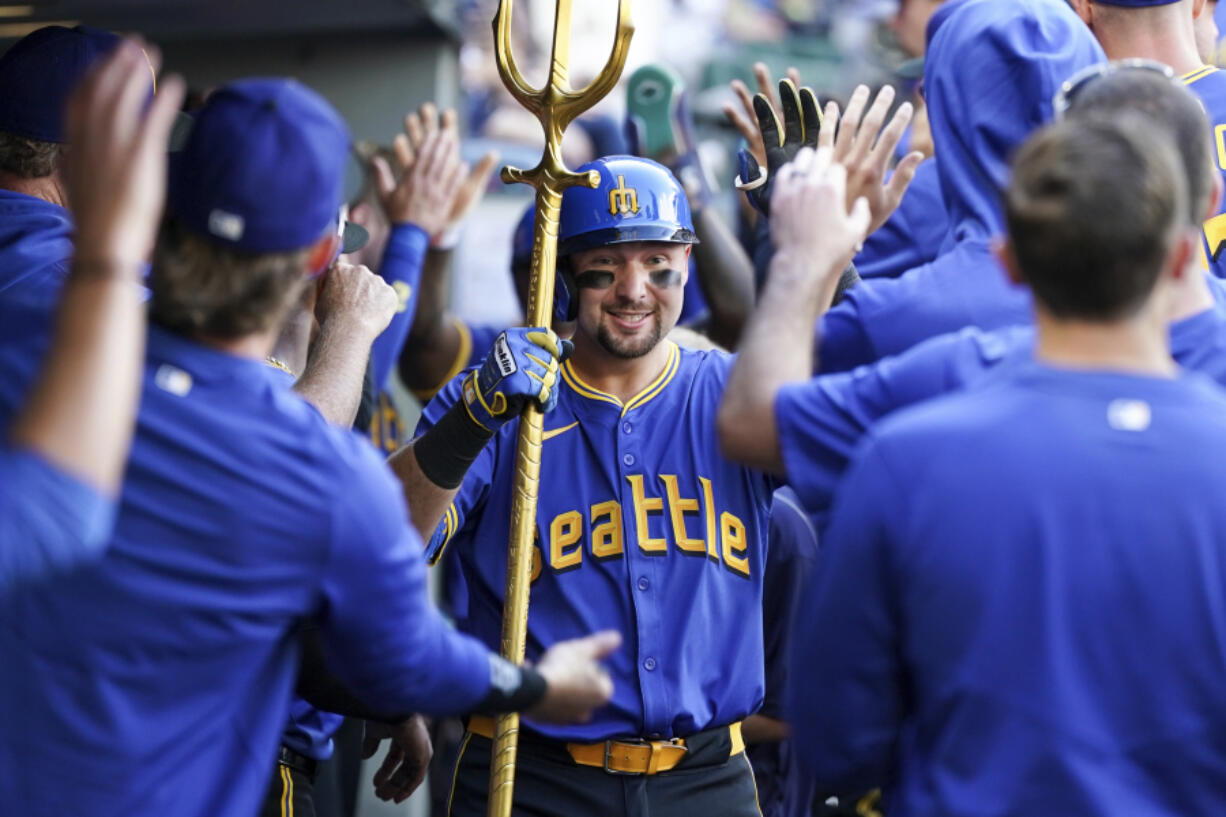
x,y
565,294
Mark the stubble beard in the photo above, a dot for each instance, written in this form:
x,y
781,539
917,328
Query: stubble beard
x,y
629,348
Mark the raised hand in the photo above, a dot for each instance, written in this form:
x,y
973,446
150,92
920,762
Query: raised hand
x,y
422,130
522,366
576,682
745,120
781,139
357,300
812,220
115,171
859,144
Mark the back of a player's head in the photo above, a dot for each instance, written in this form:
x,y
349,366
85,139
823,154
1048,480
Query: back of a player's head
x,y
37,74
1095,206
1166,103
253,196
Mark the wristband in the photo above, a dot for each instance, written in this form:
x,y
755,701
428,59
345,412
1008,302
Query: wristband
x,y
445,452
512,688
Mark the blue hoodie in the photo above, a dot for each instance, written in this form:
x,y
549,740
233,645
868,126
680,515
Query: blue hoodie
x,y
993,68
35,248
913,235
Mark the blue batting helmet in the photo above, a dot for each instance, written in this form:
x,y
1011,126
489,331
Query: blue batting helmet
x,y
636,200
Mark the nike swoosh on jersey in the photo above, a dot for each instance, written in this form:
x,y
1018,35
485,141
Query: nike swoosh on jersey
x,y
549,435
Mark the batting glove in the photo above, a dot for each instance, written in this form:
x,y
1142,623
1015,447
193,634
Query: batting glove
x,y
522,366
802,119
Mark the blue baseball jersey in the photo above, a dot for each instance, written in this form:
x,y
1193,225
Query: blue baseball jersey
x,y
35,248
49,520
823,420
160,674
1019,610
642,527
1209,84
887,316
782,790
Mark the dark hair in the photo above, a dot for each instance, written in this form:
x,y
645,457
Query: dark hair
x,y
1166,104
27,158
200,288
1093,209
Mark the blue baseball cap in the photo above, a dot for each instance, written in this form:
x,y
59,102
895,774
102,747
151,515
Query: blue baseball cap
x,y
40,71
263,168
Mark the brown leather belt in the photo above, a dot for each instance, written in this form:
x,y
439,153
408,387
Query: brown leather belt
x,y
623,756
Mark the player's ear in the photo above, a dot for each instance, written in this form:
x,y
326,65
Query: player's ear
x,y
321,255
1180,259
1002,248
1198,8
1215,197
1084,10
360,213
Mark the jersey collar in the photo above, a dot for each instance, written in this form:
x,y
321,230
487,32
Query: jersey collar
x,y
654,388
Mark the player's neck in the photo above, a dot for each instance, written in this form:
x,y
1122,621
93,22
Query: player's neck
x,y
1190,295
1173,44
47,188
1137,345
257,346
621,377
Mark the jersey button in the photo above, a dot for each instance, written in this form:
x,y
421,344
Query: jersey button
x,y
649,664
628,459
643,583
626,427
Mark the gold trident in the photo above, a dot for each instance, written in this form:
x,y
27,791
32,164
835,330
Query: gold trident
x,y
556,106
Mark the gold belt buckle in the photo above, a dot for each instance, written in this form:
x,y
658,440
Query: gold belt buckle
x,y
652,745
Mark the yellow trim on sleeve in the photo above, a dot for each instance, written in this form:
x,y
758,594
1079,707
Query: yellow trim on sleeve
x,y
451,523
1199,73
463,353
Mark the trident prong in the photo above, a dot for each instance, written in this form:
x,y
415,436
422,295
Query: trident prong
x,y
555,106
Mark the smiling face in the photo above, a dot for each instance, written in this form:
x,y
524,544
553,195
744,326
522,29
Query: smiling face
x,y
630,295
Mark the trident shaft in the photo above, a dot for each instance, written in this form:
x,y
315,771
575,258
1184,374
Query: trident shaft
x,y
556,106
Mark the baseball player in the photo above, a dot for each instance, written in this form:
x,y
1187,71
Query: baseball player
x,y
642,526
61,460
992,69
1017,609
160,674
1166,31
808,429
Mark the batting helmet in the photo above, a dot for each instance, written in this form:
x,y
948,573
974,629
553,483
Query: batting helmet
x,y
636,200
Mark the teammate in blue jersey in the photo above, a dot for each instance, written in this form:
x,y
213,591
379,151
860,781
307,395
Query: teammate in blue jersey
x,y
36,76
791,556
1166,31
160,674
642,526
1017,610
808,428
62,457
993,67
